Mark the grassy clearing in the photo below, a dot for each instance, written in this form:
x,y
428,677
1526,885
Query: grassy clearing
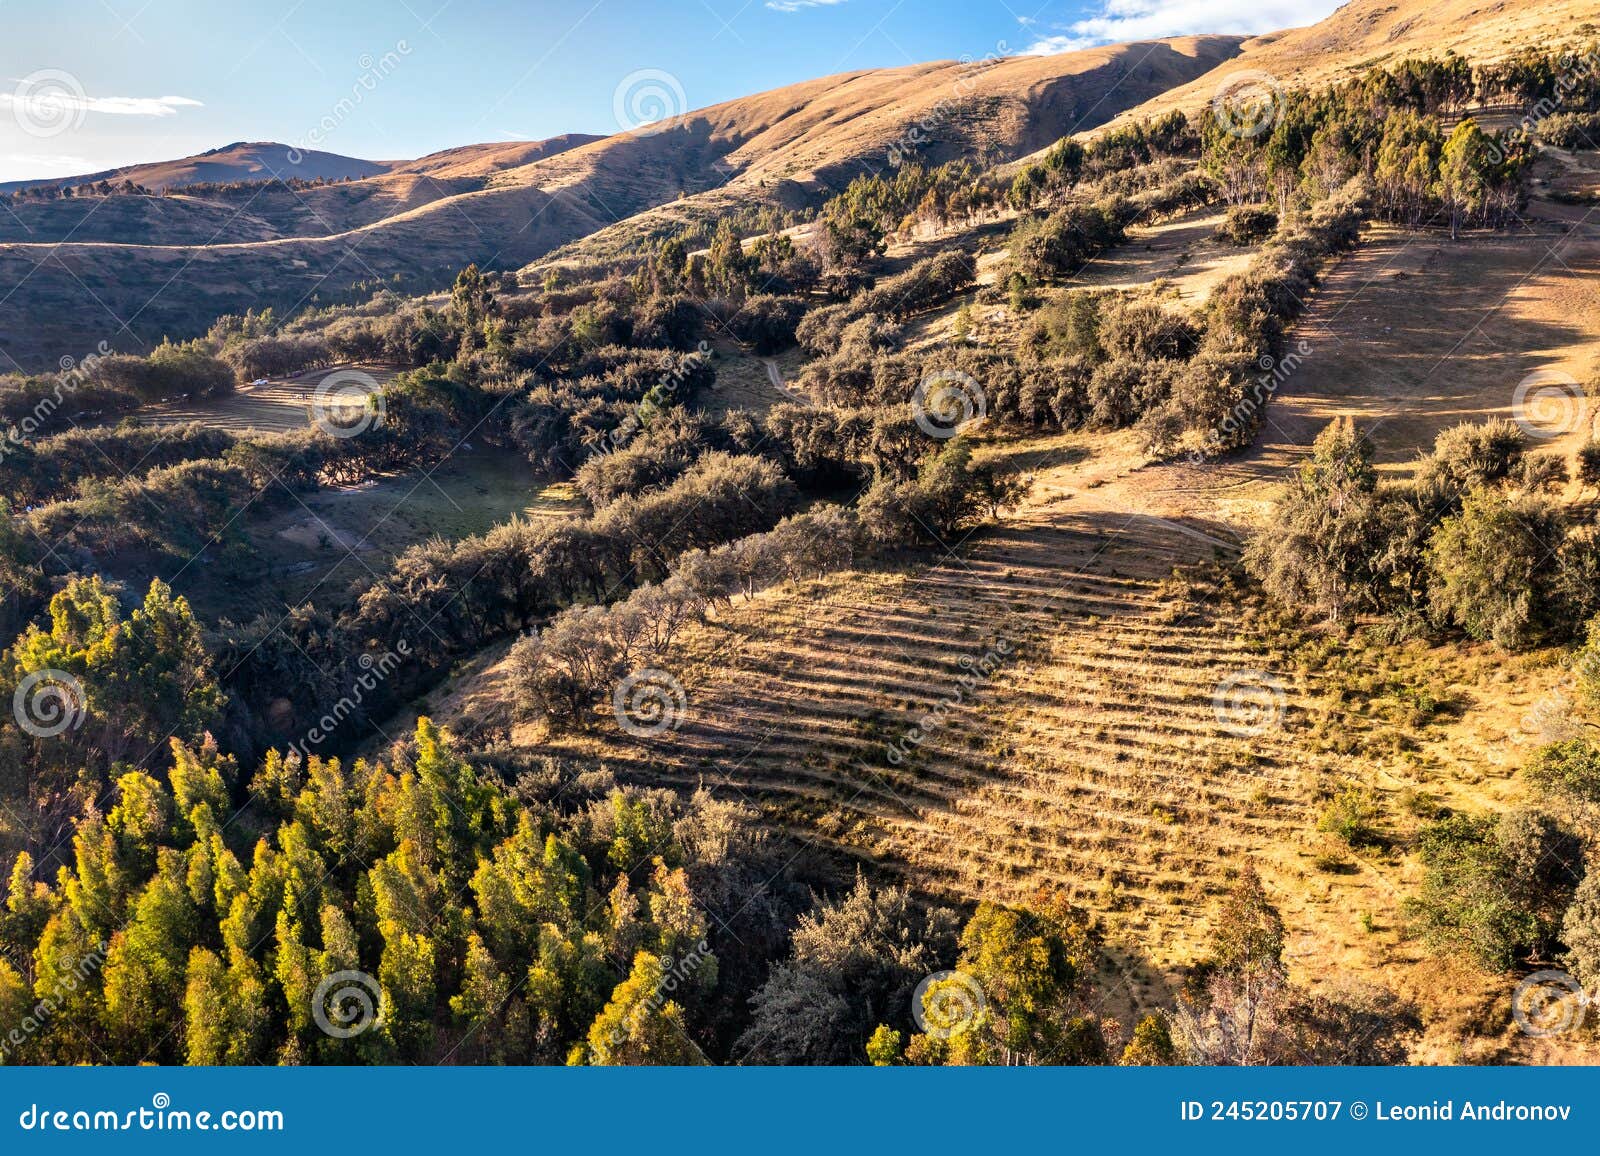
x,y
322,543
744,381
1184,252
1416,332
277,406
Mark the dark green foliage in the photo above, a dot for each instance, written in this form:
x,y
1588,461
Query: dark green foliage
x,y
1471,541
36,471
854,964
1056,246
1492,569
430,878
1571,130
950,496
1320,548
767,323
1247,224
1567,772
1494,887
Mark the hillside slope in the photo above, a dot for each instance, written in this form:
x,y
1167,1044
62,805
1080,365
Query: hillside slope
x,y
1080,698
792,144
1363,33
241,161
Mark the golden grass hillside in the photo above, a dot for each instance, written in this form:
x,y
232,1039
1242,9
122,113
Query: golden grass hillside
x,y
1363,33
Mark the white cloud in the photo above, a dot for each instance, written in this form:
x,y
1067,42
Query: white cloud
x,y
48,162
1120,20
1051,45
797,5
77,102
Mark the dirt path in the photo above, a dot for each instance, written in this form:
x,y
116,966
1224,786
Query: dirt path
x,y
775,376
278,405
1184,251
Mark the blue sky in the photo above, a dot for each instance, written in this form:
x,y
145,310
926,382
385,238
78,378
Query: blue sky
x,y
90,84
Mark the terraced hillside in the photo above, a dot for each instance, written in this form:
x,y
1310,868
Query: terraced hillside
x,y
1082,697
1142,733
1068,764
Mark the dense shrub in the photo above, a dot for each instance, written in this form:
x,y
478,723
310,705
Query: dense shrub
x,y
1469,542
1123,389
276,356
1492,571
949,496
1217,404
1055,246
1494,887
610,396
655,455
1571,130
34,471
1319,550
1247,224
931,281
767,322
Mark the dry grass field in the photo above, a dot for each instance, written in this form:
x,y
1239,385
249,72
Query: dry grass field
x,y
1364,33
1414,333
276,406
1184,254
745,381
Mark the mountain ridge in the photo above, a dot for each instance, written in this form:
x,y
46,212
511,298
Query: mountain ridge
x,y
794,144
